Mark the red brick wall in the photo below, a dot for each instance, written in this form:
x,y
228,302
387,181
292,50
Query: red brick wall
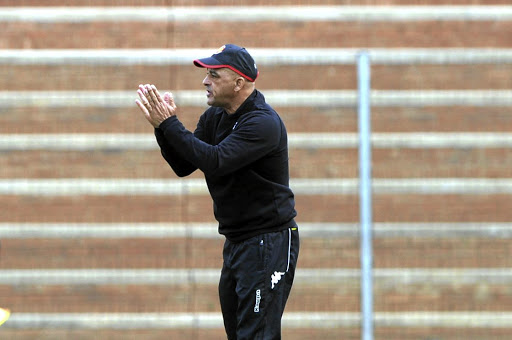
x,y
393,252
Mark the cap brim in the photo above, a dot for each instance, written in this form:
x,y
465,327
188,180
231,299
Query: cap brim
x,y
208,63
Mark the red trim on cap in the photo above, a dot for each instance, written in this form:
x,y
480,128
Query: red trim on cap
x,y
225,66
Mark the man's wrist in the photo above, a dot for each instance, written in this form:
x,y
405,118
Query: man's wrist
x,y
166,122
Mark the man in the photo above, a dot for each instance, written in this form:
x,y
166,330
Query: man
x,y
240,144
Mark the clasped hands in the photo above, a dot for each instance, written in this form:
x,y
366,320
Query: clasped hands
x,y
155,108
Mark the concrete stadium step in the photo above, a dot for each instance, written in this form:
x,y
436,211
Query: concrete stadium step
x,y
140,253
312,162
339,297
208,230
278,98
454,291
60,77
468,34
297,26
391,207
214,3
266,57
153,334
320,118
329,333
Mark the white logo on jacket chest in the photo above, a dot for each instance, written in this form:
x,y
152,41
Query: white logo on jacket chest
x,y
274,278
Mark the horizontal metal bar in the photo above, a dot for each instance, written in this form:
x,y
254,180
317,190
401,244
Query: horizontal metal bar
x,y
209,230
257,13
296,320
304,276
124,141
263,56
278,98
302,186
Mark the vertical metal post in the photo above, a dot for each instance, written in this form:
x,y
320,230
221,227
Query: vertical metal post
x,y
365,195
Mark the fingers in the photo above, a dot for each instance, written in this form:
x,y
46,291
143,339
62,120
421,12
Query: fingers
x,y
155,108
157,94
143,95
142,89
143,99
141,106
143,103
150,94
153,94
169,99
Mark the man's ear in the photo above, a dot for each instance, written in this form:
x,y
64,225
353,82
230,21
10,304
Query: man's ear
x,y
239,83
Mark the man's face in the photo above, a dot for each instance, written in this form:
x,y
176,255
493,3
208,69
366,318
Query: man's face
x,y
220,84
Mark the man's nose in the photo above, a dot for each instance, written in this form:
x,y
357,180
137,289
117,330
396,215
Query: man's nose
x,y
206,81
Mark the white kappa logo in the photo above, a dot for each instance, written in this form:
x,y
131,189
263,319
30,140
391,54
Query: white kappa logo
x,y
274,278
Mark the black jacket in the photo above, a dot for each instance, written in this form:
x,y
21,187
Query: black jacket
x,y
244,157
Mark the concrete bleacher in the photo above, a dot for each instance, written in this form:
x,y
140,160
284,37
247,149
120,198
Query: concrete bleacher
x,y
100,240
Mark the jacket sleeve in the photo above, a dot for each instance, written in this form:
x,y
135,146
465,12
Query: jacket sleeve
x,y
252,139
178,163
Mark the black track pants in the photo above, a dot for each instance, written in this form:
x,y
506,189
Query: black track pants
x,y
255,283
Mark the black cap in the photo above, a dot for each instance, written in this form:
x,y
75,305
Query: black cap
x,y
233,57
